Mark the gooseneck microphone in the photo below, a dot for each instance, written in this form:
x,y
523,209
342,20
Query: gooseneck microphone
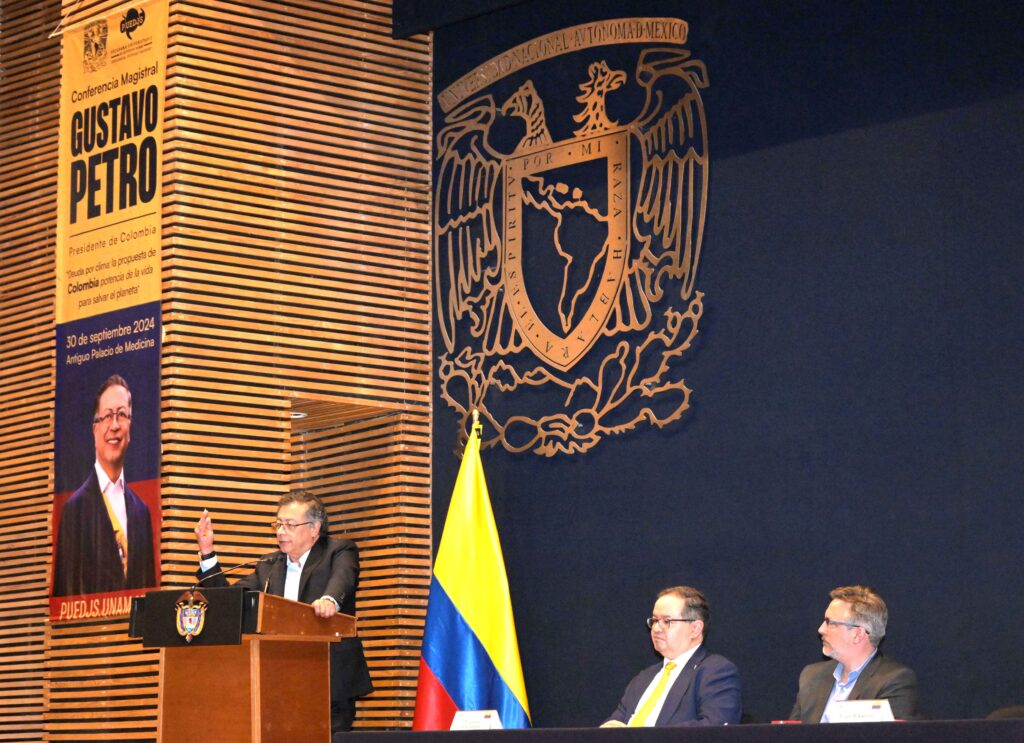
x,y
269,559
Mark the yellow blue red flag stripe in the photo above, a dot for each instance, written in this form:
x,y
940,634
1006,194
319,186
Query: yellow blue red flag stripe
x,y
470,656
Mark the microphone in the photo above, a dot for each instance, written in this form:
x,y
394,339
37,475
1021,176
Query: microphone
x,y
272,559
269,559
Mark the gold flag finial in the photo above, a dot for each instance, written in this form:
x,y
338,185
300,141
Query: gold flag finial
x,y
477,426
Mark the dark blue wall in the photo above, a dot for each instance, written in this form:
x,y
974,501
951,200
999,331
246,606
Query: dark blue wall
x,y
857,395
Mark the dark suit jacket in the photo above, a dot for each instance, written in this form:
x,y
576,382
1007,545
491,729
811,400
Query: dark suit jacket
x,y
332,569
706,692
86,558
882,678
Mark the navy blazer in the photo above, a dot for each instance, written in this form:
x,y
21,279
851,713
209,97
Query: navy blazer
x,y
882,678
706,692
86,558
332,569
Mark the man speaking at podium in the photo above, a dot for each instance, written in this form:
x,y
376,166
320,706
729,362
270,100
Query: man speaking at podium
x,y
313,568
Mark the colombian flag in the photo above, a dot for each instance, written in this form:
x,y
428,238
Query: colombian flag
x,y
470,657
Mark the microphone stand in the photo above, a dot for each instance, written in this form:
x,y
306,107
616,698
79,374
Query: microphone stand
x,y
270,559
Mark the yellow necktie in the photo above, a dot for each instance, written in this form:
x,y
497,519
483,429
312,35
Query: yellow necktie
x,y
641,714
119,535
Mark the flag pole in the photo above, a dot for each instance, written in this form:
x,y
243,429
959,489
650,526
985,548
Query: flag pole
x,y
469,657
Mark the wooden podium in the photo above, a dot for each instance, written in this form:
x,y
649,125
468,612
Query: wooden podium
x,y
257,673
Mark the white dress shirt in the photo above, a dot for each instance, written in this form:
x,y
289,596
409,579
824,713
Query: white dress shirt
x,y
113,491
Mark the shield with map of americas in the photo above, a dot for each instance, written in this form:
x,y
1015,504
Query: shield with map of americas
x,y
585,232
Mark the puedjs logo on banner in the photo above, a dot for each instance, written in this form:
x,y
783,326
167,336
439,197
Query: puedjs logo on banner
x,y
132,20
571,181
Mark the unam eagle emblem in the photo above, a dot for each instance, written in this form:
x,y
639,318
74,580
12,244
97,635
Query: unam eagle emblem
x,y
589,344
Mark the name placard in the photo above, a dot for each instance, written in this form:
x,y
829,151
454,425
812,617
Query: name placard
x,y
481,719
861,710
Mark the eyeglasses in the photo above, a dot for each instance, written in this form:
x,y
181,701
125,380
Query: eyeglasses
x,y
287,526
665,624
122,415
836,623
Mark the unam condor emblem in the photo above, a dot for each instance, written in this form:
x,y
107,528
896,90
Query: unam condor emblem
x,y
190,614
94,46
565,267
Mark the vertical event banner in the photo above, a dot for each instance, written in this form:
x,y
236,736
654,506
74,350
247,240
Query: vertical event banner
x,y
106,513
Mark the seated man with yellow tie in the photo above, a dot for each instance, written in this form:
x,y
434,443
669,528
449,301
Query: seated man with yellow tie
x,y
690,686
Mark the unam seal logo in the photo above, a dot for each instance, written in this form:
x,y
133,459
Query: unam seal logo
x,y
566,242
94,46
132,21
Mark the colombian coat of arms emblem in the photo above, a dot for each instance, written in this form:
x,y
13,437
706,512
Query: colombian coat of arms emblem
x,y
190,614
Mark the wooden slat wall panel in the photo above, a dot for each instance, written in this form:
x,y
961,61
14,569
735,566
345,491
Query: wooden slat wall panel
x,y
296,278
101,683
297,158
29,85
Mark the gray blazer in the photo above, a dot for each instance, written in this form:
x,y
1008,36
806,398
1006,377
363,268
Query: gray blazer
x,y
882,678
